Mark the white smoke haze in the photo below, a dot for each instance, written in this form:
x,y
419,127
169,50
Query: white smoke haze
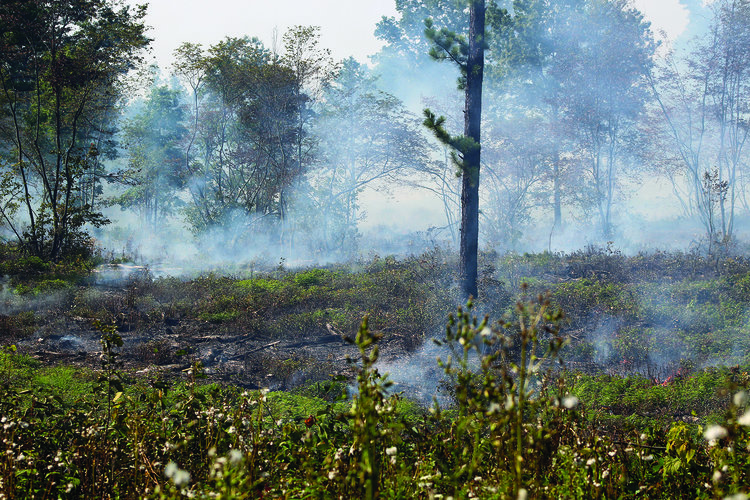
x,y
405,220
350,202
418,375
667,17
11,302
407,213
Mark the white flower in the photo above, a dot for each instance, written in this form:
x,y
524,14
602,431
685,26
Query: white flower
x,y
523,494
391,451
715,432
170,469
716,476
235,457
740,399
570,402
737,496
181,478
178,476
744,419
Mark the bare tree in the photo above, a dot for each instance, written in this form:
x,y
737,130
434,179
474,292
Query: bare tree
x,y
705,115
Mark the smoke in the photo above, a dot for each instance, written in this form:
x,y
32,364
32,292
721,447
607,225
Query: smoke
x,y
418,375
372,181
331,214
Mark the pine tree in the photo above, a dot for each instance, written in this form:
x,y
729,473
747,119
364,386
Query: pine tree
x,y
469,56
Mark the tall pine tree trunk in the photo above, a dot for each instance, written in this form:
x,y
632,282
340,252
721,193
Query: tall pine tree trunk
x,y
472,126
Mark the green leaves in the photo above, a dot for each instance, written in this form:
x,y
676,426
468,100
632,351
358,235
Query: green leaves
x,y
461,144
447,44
64,74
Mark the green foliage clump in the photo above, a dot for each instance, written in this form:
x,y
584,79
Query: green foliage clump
x,y
583,297
42,287
219,317
675,398
25,265
312,277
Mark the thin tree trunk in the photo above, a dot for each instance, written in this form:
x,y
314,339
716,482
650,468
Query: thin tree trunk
x,y
556,188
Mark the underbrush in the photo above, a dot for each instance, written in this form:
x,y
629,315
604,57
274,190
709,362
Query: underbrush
x,y
517,426
30,274
409,298
651,414
644,312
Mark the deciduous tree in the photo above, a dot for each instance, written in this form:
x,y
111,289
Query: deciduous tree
x,y
61,66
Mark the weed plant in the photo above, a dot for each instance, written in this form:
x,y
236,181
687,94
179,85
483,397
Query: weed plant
x,y
519,424
515,429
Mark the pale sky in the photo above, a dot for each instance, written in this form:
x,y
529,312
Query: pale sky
x,y
347,25
669,16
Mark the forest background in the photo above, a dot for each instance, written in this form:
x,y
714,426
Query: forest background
x,y
244,149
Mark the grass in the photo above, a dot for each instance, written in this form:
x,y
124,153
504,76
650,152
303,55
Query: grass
x,y
514,424
66,438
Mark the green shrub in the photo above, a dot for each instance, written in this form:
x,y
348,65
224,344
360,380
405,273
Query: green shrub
x,y
220,317
312,277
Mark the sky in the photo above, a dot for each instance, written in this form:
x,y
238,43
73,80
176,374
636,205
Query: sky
x,y
347,25
669,16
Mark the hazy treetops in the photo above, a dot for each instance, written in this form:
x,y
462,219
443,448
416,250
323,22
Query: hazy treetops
x,y
282,148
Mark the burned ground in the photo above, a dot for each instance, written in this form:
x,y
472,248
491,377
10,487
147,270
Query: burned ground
x,y
653,315
275,329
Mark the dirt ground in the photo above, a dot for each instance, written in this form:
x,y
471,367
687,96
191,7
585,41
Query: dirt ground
x,y
172,345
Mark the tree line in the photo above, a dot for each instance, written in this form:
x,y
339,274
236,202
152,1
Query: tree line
x,y
580,104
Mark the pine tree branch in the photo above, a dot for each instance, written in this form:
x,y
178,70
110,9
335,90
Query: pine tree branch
x,y
461,145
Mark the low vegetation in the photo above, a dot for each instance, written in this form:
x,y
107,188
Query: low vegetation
x,y
624,395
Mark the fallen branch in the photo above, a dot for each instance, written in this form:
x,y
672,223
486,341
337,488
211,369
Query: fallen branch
x,y
240,356
636,445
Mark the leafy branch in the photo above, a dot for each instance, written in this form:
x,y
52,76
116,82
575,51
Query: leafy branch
x,y
461,145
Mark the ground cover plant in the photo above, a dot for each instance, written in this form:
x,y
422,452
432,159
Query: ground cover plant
x,y
623,395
